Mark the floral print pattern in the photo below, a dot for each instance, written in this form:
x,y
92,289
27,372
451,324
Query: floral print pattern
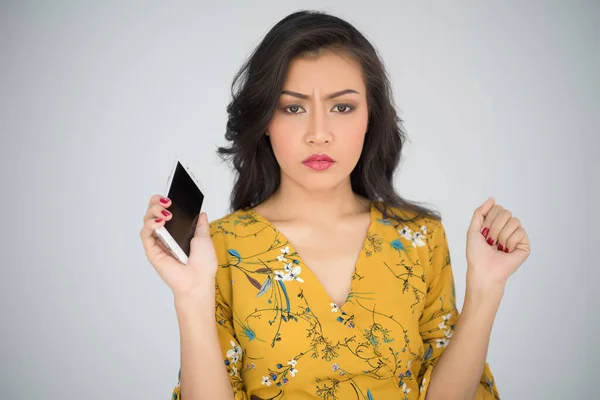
x,y
283,337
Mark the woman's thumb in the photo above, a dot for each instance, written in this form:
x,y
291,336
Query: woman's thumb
x,y
202,228
202,251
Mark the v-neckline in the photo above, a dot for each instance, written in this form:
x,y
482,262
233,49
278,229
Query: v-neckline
x,y
342,307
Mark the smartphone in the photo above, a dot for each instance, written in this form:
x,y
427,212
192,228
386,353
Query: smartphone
x,y
186,203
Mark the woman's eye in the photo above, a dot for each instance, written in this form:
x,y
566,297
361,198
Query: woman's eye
x,y
341,107
293,109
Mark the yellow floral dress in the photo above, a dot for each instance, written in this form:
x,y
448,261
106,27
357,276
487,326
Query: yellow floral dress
x,y
283,337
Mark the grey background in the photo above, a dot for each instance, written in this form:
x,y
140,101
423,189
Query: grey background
x,y
96,98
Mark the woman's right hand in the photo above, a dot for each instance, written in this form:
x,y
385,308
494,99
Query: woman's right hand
x,y
185,280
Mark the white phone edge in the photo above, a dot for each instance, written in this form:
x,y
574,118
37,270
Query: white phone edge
x,y
162,233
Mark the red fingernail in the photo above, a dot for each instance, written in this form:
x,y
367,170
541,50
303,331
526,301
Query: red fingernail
x,y
164,200
490,241
500,247
485,232
506,250
158,220
165,213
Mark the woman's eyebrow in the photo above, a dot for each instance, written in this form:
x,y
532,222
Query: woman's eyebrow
x,y
307,97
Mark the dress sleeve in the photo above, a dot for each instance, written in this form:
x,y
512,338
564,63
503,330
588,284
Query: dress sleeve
x,y
440,315
230,347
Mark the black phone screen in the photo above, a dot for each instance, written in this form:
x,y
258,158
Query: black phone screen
x,y
186,203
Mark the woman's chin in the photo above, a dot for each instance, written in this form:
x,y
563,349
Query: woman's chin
x,y
323,183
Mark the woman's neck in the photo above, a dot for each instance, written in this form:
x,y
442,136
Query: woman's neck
x,y
292,202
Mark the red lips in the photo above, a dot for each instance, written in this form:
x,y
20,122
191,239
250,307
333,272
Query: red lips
x,y
319,162
319,157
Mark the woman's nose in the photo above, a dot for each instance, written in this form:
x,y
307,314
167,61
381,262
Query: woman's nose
x,y
319,126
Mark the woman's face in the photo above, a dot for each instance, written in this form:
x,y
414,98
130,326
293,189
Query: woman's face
x,y
309,121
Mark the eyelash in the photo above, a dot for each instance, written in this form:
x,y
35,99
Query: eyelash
x,y
348,106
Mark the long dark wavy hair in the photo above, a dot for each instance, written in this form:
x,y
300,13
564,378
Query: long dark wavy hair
x,y
255,92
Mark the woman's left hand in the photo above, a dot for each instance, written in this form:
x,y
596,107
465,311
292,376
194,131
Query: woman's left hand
x,y
497,245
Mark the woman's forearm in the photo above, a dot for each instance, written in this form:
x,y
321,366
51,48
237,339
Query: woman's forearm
x,y
458,372
203,374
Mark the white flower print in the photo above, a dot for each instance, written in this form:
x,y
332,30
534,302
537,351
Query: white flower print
x,y
293,274
417,240
334,307
445,318
234,353
406,233
288,267
233,371
266,381
285,250
281,276
424,230
449,333
404,389
442,342
422,385
281,258
293,370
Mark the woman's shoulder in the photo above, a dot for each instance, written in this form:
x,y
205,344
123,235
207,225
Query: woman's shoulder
x,y
229,222
224,220
235,227
420,234
403,217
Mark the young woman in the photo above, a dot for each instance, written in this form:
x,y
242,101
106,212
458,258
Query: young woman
x,y
324,283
